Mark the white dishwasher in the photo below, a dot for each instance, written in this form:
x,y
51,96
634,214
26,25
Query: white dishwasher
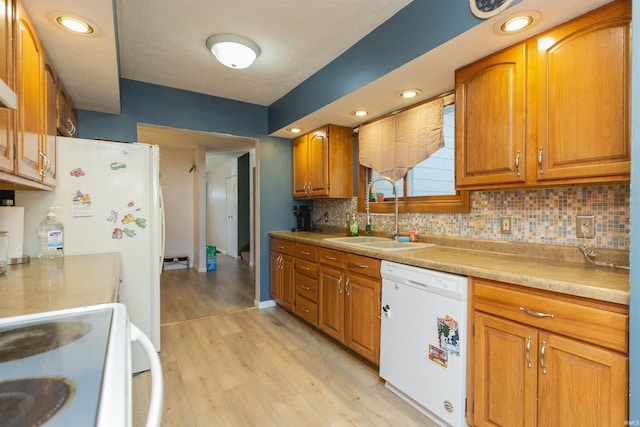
x,y
423,340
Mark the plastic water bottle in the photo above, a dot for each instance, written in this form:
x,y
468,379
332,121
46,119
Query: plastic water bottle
x,y
51,236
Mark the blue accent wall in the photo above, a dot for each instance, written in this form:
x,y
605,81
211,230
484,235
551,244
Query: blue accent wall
x,y
418,28
159,105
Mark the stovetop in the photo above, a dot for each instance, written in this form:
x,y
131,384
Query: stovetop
x,y
51,367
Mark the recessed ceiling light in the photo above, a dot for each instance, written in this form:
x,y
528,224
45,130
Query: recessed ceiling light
x,y
409,93
516,23
74,25
295,130
360,113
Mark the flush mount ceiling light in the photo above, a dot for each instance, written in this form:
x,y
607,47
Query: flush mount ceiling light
x,y
517,22
359,113
409,93
75,25
295,130
232,50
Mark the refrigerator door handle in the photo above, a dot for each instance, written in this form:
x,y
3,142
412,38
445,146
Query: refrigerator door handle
x,y
162,227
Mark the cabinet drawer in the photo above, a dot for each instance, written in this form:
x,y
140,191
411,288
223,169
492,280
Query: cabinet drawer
x,y
596,322
307,252
283,246
331,257
307,310
363,265
307,268
307,287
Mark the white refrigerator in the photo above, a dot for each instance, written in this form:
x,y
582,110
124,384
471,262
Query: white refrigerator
x,y
109,200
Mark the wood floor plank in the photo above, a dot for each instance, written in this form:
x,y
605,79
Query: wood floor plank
x,y
226,363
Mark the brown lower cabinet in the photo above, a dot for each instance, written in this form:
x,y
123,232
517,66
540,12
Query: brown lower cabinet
x,y
541,359
349,305
334,291
281,266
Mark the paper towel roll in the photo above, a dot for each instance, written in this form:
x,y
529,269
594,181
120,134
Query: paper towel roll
x,y
12,220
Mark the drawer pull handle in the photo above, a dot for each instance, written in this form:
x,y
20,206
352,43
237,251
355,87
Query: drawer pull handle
x,y
528,352
304,310
304,268
536,313
544,347
518,163
305,287
357,264
346,287
305,252
330,258
340,284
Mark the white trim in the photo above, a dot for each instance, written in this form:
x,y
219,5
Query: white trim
x,y
265,304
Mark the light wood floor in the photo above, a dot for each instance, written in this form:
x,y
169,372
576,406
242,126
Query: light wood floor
x,y
247,367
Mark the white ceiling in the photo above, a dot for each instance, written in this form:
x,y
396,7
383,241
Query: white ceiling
x,y
163,42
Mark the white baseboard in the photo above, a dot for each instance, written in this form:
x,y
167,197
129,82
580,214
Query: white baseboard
x,y
265,304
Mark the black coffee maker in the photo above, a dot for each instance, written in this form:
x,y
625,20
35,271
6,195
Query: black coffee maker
x,y
303,214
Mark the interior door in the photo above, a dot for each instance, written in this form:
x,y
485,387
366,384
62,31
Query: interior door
x,y
232,216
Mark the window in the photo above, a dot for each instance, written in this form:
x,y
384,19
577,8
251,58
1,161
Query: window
x,y
429,186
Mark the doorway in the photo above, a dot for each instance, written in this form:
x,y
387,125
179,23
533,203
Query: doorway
x,y
204,146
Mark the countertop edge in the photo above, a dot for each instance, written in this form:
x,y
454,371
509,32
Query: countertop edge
x,y
581,280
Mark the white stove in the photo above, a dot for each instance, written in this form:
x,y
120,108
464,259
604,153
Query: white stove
x,y
72,367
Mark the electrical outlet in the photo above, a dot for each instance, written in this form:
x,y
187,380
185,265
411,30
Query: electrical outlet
x,y
585,226
505,224
479,223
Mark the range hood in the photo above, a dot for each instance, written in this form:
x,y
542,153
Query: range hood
x,y
8,98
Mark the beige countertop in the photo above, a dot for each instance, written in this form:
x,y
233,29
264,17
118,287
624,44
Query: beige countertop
x,y
554,274
55,284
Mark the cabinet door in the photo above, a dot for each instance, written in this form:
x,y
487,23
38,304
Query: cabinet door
x,y
275,275
300,167
362,316
319,162
49,147
6,74
505,373
30,90
583,98
581,384
331,302
490,120
287,289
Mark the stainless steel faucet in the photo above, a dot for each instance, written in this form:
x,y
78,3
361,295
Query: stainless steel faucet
x,y
367,201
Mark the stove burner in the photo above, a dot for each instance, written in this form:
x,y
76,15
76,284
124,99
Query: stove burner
x,y
30,340
33,401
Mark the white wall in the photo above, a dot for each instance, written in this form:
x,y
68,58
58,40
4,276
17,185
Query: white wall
x,y
218,170
178,191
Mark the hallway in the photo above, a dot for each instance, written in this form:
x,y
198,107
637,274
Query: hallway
x,y
186,294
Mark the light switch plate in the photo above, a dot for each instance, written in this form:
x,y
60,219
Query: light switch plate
x,y
505,224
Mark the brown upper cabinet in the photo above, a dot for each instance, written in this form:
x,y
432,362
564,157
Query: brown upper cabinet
x,y
323,164
30,78
67,120
7,117
28,134
552,110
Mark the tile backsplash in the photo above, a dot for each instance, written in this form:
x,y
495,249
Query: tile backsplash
x,y
546,216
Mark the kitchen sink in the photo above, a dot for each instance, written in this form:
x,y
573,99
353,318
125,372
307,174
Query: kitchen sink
x,y
379,243
356,240
393,245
